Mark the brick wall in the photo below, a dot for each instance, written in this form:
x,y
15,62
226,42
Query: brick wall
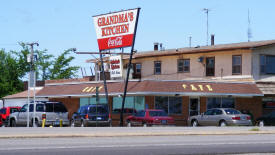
x,y
203,104
72,104
254,105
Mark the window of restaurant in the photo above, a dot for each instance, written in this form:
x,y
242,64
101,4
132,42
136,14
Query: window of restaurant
x,y
210,66
267,64
171,105
236,64
183,65
268,103
92,100
220,102
157,67
132,104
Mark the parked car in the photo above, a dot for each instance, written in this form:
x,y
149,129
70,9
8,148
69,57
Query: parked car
x,y
220,117
268,119
5,113
53,112
92,115
150,117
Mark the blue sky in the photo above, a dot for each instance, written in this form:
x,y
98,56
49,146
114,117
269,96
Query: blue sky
x,y
61,24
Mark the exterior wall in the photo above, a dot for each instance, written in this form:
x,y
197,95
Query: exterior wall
x,y
254,105
223,66
20,101
269,50
72,104
203,104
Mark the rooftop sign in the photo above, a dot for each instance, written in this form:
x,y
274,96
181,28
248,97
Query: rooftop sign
x,y
116,30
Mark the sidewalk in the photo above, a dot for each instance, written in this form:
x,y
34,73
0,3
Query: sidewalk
x,y
22,132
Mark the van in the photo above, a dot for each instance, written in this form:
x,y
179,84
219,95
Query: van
x,y
53,112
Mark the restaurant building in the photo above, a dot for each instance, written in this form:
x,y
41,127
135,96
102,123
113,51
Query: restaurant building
x,y
183,82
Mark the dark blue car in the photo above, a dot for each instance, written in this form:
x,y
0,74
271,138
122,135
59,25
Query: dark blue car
x,y
92,115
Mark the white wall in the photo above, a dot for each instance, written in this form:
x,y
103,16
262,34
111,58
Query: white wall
x,y
20,101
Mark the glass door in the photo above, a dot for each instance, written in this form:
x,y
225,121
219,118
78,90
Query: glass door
x,y
194,106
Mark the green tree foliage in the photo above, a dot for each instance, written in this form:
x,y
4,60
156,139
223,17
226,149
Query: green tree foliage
x,y
14,67
61,67
9,75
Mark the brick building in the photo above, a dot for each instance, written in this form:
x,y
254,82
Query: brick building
x,y
183,82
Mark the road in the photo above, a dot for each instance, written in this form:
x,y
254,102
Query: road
x,y
136,145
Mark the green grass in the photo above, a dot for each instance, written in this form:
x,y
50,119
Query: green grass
x,y
254,129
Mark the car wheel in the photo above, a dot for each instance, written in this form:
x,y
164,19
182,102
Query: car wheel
x,y
223,123
72,123
195,123
12,123
261,123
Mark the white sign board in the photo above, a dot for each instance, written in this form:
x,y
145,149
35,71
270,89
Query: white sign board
x,y
116,66
116,30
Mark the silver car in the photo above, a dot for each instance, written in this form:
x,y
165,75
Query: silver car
x,y
220,117
54,113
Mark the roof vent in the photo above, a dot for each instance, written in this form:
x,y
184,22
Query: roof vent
x,y
156,46
212,39
198,46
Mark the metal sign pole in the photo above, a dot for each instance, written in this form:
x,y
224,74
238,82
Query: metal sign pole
x,y
104,77
128,72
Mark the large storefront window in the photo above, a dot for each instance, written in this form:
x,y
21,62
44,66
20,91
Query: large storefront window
x,y
132,104
268,102
171,105
92,100
220,102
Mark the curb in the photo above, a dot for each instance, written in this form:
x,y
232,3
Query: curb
x,y
110,134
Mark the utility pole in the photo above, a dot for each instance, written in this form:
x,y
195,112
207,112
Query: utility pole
x,y
206,11
32,68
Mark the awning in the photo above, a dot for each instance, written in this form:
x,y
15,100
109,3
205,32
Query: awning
x,y
148,87
268,88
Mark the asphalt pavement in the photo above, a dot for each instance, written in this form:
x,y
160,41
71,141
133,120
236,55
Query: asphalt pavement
x,y
54,132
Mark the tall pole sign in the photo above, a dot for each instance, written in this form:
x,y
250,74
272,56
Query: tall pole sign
x,y
117,30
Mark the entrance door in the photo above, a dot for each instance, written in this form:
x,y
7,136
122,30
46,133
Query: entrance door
x,y
194,106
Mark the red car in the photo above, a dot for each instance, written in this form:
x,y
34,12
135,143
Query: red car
x,y
150,117
5,113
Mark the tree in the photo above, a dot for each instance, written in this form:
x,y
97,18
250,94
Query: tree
x,y
41,65
9,75
61,67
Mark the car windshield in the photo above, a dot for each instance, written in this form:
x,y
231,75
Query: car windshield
x,y
100,110
157,113
231,111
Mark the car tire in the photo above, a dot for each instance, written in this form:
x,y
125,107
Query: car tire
x,y
195,123
222,124
72,123
12,123
261,123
